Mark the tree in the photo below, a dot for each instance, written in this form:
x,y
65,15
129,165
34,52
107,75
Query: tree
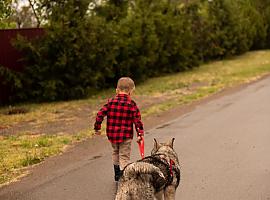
x,y
73,58
5,12
22,15
223,33
89,44
253,24
5,8
263,7
112,9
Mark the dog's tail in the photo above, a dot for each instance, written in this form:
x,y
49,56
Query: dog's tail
x,y
142,168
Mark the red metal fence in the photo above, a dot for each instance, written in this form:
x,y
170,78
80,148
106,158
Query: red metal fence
x,y
9,56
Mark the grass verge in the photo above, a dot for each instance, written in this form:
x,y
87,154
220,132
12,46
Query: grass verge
x,y
17,152
187,87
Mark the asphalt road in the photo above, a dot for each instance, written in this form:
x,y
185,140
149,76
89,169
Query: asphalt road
x,y
223,147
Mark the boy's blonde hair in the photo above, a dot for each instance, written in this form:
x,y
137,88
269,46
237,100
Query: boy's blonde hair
x,y
125,84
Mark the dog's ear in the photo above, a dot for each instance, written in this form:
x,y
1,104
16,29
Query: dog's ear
x,y
171,142
156,144
156,147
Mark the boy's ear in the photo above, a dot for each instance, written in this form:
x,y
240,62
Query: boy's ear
x,y
130,92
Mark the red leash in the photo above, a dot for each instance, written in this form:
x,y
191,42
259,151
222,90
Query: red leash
x,y
141,146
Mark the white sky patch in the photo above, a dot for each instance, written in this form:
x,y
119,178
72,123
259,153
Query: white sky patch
x,y
23,3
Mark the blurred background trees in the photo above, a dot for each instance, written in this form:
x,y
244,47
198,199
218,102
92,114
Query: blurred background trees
x,y
89,44
5,12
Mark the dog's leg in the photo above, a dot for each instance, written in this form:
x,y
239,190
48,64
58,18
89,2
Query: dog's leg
x,y
169,193
159,195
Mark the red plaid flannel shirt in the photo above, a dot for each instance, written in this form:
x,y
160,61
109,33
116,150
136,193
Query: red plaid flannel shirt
x,y
122,113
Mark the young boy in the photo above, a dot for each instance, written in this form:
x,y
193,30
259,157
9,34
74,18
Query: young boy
x,y
122,112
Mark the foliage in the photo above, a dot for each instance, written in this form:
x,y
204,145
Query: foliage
x,y
5,12
263,7
112,10
5,8
222,30
60,62
89,44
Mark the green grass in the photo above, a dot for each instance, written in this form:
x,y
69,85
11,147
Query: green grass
x,y
186,87
164,93
20,151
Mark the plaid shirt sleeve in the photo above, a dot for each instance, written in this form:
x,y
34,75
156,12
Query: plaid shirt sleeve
x,y
100,116
137,120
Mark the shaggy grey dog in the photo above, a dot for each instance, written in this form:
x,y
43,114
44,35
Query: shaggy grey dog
x,y
154,177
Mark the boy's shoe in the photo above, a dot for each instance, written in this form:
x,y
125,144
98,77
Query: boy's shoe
x,y
120,174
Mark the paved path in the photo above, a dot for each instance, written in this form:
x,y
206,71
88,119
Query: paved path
x,y
223,146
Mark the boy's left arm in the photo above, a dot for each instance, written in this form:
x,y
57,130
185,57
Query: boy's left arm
x,y
100,116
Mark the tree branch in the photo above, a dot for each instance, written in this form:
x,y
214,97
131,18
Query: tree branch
x,y
35,13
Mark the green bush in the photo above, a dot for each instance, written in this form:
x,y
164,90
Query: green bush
x,y
87,49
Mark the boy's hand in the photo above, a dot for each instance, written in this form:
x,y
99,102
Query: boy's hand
x,y
139,138
97,132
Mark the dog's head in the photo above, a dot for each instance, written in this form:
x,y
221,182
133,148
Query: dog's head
x,y
165,149
161,147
